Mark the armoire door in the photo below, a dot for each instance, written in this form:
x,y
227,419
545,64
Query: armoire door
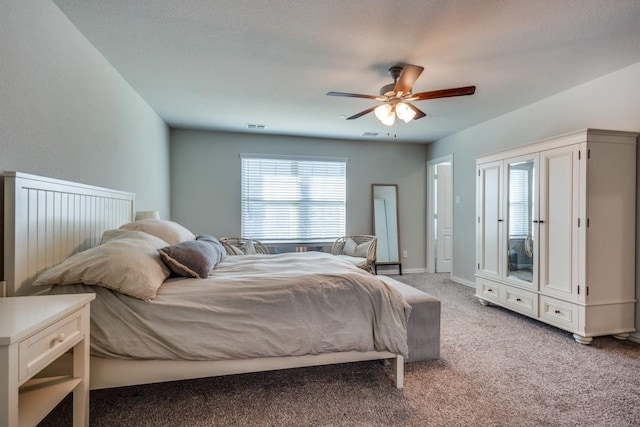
x,y
521,221
489,221
558,222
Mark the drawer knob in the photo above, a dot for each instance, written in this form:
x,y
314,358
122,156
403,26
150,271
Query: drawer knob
x,y
557,311
60,337
518,299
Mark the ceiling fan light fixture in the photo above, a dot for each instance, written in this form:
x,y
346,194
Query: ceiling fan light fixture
x,y
398,97
404,112
384,113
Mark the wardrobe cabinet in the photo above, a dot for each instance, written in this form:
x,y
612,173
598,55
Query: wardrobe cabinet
x,y
556,231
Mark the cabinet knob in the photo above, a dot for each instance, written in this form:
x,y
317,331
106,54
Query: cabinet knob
x,y
518,299
557,311
60,337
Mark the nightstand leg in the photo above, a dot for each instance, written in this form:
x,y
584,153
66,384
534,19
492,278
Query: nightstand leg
x,y
8,386
81,370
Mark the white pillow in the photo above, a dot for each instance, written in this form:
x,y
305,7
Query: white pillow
x,y
248,248
351,248
362,249
126,261
169,231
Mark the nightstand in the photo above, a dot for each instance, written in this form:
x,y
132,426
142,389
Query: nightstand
x,y
35,331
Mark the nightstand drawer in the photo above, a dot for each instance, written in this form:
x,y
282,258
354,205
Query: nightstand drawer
x,y
41,348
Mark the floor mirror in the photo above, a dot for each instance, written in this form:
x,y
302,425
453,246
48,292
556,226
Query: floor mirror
x,y
385,224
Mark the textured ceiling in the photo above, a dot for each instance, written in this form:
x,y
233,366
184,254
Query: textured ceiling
x,y
224,64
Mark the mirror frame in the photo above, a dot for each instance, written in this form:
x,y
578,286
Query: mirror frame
x,y
373,220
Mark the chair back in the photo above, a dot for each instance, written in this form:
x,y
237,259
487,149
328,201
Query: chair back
x,y
233,245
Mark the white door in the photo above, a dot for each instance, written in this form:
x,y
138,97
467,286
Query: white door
x,y
444,218
559,204
490,219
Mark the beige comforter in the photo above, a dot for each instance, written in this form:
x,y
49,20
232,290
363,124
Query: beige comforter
x,y
253,306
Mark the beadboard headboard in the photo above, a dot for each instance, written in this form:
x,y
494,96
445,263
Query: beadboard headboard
x,y
47,220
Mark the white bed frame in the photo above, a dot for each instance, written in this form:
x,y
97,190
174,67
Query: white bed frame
x,y
47,220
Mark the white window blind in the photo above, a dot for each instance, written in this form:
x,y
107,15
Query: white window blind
x,y
293,199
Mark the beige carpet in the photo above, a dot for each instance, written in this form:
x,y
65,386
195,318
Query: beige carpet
x,y
497,368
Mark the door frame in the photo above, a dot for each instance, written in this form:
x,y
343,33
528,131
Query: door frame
x,y
431,204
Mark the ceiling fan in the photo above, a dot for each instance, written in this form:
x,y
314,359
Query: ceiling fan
x,y
396,96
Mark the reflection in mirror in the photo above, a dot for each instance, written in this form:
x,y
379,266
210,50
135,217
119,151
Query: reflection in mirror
x,y
385,223
520,220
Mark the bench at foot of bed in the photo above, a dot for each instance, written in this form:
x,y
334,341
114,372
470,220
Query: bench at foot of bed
x,y
423,329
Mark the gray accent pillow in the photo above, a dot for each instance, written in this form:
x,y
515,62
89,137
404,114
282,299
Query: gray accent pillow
x,y
193,258
219,247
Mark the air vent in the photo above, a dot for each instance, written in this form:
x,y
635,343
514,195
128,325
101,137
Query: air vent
x,y
254,126
370,134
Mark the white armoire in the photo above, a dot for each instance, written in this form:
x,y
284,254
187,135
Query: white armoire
x,y
556,231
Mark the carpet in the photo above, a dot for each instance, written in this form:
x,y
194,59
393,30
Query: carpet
x,y
497,368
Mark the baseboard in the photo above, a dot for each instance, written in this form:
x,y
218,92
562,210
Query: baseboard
x,y
462,281
395,270
635,337
413,270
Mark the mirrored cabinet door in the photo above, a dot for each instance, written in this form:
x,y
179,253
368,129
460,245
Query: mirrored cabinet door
x,y
521,213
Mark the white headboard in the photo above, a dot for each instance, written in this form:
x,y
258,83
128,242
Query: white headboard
x,y
46,220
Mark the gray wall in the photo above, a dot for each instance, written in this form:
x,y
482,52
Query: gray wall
x,y
205,181
66,113
609,102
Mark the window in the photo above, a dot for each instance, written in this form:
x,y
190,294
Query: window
x,y
293,198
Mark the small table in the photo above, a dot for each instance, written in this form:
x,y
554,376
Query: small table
x,y
34,332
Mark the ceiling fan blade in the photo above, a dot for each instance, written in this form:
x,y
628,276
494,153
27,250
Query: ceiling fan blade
x,y
356,95
408,77
362,113
444,93
419,113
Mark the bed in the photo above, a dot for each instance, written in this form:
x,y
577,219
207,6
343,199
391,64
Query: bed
x,y
47,221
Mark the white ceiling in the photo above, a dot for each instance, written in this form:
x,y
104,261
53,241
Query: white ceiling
x,y
223,64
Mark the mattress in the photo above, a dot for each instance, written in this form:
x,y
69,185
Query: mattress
x,y
253,306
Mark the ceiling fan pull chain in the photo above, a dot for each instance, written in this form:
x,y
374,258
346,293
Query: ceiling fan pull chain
x,y
395,128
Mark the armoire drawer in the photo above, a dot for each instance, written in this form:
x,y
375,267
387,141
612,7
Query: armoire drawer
x,y
488,290
520,300
559,313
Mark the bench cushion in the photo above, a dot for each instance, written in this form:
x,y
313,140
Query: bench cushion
x,y
423,328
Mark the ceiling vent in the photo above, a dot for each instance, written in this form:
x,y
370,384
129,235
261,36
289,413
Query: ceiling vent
x,y
254,126
370,134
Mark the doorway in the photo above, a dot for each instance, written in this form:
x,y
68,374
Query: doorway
x,y
440,215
